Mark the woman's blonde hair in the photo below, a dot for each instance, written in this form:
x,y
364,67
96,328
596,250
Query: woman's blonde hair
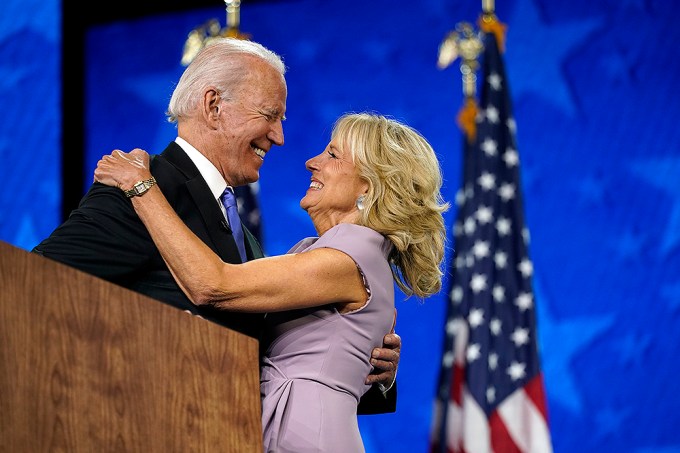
x,y
404,201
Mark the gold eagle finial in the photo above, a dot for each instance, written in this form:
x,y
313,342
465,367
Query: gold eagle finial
x,y
203,34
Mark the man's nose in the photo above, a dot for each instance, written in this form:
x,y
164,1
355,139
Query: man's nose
x,y
276,133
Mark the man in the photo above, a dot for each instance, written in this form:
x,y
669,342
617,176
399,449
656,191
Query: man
x,y
229,105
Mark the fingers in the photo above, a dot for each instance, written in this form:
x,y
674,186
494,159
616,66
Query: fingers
x,y
386,378
121,169
385,359
392,341
137,157
384,371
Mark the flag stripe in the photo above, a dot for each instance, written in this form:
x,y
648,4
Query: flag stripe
x,y
475,430
525,423
501,439
536,393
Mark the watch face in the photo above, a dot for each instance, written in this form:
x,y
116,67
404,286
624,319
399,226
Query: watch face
x,y
139,188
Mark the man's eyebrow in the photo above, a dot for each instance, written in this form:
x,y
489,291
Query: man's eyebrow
x,y
275,112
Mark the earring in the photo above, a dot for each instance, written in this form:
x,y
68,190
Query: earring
x,y
360,202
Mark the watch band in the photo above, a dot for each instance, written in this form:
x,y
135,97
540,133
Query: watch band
x,y
140,187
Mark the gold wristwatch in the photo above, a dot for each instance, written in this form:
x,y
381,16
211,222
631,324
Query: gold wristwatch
x,y
140,188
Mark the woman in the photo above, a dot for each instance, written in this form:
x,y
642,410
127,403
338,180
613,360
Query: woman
x,y
375,202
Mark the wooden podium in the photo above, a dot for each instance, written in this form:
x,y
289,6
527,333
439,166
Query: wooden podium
x,y
88,366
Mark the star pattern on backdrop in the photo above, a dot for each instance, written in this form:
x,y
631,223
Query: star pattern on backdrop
x,y
618,67
663,174
591,189
628,244
11,76
611,420
146,89
632,347
635,5
531,39
26,236
673,448
563,340
15,21
671,293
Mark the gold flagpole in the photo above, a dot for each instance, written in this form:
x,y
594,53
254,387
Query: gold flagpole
x,y
466,43
489,23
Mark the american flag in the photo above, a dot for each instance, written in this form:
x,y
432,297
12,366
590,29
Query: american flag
x,y
248,208
491,396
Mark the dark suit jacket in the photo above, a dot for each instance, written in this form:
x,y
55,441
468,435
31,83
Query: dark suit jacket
x,y
105,237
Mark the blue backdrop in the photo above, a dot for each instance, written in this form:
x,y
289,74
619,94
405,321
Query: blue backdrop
x,y
593,86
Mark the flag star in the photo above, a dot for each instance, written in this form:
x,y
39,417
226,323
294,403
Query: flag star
x,y
526,236
501,260
503,226
469,260
511,157
457,228
487,181
506,191
494,81
254,216
498,293
524,301
469,226
520,336
469,191
480,249
478,283
491,394
484,215
492,114
452,326
473,352
476,317
447,360
516,370
489,147
460,197
460,262
526,268
512,125
495,326
456,294
493,361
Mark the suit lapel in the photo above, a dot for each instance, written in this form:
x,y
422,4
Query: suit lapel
x,y
216,225
219,237
253,248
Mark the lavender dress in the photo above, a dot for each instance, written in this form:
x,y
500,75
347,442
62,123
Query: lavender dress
x,y
316,360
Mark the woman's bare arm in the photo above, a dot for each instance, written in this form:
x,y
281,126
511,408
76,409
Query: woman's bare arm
x,y
309,279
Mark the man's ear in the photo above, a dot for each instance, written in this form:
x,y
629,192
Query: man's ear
x,y
212,105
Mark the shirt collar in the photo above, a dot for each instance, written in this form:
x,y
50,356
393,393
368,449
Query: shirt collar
x,y
208,171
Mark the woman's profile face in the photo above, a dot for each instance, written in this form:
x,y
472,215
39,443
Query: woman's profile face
x,y
334,188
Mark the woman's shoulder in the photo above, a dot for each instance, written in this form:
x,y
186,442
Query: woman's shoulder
x,y
355,239
352,230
